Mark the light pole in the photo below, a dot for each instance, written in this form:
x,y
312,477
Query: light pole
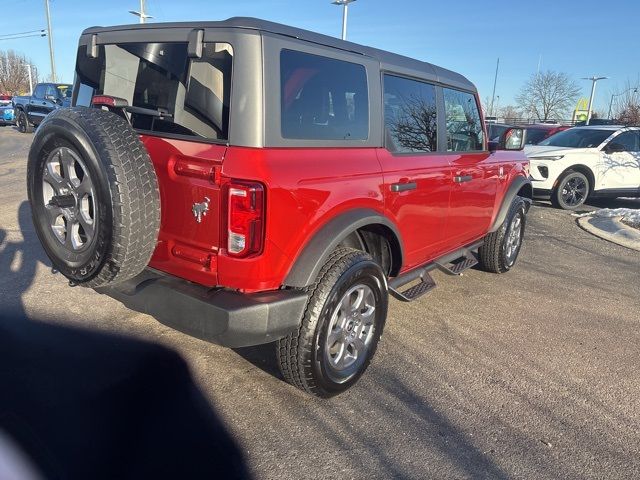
x,y
30,81
141,14
635,90
495,80
345,12
53,61
594,80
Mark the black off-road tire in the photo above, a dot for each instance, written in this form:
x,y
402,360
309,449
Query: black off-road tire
x,y
22,122
492,255
126,209
301,355
557,199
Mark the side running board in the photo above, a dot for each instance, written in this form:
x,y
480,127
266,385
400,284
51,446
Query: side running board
x,y
460,265
452,264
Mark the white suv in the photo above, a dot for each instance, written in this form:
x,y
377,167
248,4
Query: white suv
x,y
586,162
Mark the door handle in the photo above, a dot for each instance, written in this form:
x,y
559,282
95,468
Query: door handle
x,y
403,187
462,178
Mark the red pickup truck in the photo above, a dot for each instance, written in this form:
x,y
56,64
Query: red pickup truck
x,y
246,182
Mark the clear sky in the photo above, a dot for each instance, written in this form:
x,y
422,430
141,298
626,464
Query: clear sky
x,y
579,37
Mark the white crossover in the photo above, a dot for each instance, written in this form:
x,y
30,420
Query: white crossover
x,y
585,162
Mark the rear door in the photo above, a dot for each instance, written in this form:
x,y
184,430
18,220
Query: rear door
x,y
475,172
620,169
417,179
37,103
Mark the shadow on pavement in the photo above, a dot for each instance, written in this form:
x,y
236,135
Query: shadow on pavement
x,y
19,260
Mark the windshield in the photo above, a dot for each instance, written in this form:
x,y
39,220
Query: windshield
x,y
195,93
578,138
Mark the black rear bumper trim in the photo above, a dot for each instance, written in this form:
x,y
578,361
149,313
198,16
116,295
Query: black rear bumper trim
x,y
224,317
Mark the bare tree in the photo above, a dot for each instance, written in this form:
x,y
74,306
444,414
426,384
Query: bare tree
x,y
548,95
510,112
626,106
14,75
414,125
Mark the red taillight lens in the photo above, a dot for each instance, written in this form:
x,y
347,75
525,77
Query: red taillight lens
x,y
245,219
108,101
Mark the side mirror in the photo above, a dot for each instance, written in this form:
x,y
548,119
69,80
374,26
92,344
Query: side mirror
x,y
511,139
613,148
50,98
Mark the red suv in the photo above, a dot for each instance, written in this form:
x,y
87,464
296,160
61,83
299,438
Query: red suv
x,y
247,182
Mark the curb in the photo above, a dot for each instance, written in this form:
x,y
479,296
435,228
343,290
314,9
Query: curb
x,y
611,229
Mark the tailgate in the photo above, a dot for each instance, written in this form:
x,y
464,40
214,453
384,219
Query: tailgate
x,y
190,234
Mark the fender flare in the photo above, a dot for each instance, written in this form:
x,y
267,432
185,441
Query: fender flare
x,y
316,251
516,185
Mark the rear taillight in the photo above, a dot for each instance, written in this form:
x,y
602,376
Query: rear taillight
x,y
245,219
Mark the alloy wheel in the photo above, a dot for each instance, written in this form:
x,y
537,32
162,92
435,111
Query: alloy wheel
x,y
574,191
69,199
350,333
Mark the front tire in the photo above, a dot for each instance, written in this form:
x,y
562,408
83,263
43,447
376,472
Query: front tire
x,y
572,191
23,123
341,326
501,248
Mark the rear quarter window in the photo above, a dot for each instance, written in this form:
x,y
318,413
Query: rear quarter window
x,y
322,98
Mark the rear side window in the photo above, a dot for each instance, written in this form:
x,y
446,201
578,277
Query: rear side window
x,y
322,98
410,115
193,94
629,141
39,91
464,128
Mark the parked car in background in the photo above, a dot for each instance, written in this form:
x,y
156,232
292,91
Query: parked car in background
x,y
30,110
496,130
5,100
7,116
539,131
535,132
584,162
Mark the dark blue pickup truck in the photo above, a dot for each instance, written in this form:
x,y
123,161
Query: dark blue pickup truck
x,y
47,97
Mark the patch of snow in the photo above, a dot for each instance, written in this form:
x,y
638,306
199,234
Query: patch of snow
x,y
630,216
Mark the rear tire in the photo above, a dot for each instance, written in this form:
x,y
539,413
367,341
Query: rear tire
x,y
341,326
572,191
501,248
94,196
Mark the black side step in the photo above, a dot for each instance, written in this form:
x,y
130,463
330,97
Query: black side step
x,y
459,265
453,263
426,285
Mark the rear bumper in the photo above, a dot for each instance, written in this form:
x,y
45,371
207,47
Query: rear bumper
x,y
219,316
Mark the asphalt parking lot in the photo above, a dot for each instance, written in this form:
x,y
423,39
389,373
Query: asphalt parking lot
x,y
532,374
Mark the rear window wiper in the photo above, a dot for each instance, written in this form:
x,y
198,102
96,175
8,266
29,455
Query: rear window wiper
x,y
159,112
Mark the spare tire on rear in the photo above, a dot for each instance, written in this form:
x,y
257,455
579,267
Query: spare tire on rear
x,y
94,196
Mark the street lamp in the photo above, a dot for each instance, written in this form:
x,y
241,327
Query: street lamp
x,y
143,16
30,80
51,55
345,11
593,92
635,90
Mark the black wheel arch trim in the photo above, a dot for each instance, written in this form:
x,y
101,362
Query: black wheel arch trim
x,y
317,250
516,186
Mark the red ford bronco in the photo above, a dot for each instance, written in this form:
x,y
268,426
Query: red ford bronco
x,y
247,182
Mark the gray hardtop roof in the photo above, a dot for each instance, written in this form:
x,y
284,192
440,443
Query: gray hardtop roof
x,y
388,60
